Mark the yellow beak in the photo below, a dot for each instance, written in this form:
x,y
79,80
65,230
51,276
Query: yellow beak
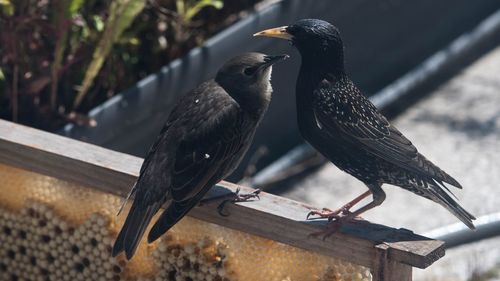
x,y
277,32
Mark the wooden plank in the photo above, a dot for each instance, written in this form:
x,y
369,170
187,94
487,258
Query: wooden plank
x,y
419,254
272,216
66,159
387,269
404,246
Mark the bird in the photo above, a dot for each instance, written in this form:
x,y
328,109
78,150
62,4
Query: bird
x,y
344,126
203,140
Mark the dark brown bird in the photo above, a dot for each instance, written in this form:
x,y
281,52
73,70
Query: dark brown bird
x,y
203,141
342,124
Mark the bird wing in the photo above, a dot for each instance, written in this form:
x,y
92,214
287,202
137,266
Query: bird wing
x,y
151,193
205,148
205,155
343,108
176,166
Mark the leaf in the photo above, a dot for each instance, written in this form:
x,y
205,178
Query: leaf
x,y
193,10
121,15
2,76
98,23
179,5
64,12
7,7
74,6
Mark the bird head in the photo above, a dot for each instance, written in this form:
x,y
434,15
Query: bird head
x,y
247,77
318,42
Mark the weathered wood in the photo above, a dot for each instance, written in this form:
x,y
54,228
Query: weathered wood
x,y
404,246
66,159
387,269
272,216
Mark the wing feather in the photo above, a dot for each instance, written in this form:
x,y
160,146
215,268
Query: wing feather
x,y
206,121
357,120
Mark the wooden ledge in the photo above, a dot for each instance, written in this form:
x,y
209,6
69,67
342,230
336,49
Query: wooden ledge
x,y
273,217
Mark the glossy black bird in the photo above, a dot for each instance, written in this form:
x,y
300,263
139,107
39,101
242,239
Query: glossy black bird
x,y
342,124
203,141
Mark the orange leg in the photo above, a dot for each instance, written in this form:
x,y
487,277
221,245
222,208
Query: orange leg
x,y
344,215
327,213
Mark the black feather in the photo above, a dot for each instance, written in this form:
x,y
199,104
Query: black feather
x,y
203,141
342,124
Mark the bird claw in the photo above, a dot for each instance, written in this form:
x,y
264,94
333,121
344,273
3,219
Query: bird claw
x,y
335,218
237,197
334,226
326,213
331,215
247,196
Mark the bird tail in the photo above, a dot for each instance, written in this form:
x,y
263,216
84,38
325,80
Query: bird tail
x,y
436,173
440,196
170,216
135,224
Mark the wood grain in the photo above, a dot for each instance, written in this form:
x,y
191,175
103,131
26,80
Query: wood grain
x,y
272,217
387,269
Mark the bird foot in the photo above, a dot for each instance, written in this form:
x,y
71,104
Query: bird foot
x,y
231,197
329,214
246,196
237,197
334,226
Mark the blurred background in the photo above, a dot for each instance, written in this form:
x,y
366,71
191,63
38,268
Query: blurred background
x,y
108,72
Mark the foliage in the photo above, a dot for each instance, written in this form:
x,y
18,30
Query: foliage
x,y
6,7
59,58
188,9
65,11
121,15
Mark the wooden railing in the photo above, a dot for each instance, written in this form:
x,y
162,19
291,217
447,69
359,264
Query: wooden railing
x,y
389,253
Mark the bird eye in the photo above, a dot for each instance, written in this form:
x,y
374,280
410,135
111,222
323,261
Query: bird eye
x,y
249,71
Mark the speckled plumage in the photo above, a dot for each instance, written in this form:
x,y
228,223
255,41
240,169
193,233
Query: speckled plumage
x,y
204,139
359,140
342,124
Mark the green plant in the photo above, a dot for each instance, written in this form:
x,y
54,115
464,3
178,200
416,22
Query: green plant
x,y
121,15
188,9
41,43
65,12
60,58
7,7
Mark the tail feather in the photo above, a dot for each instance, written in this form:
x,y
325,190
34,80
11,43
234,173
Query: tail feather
x,y
436,173
449,179
170,216
134,227
441,184
444,199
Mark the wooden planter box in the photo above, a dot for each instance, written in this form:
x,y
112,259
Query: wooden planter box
x,y
384,40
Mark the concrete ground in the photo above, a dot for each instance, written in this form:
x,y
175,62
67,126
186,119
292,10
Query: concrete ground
x,y
458,128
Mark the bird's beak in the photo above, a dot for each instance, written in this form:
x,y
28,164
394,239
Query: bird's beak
x,y
270,60
277,32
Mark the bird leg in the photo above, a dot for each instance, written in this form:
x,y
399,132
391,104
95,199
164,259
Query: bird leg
x,y
237,197
341,218
232,197
344,210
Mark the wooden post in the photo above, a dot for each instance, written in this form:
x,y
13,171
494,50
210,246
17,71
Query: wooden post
x,y
386,269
